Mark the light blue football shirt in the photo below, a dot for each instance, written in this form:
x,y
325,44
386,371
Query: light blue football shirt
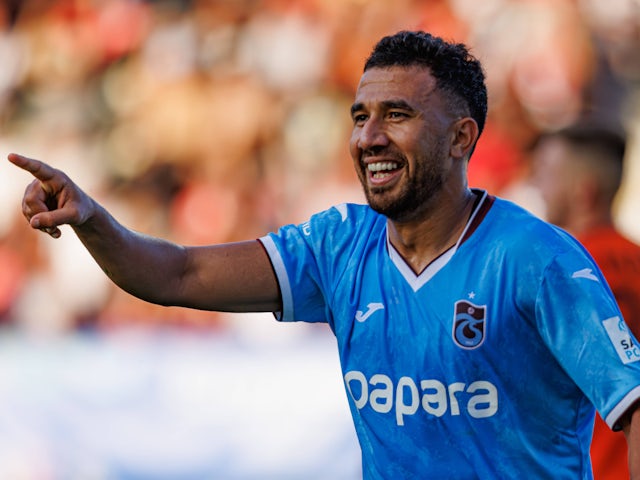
x,y
486,365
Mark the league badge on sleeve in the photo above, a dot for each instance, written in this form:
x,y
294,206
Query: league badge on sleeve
x,y
626,347
468,324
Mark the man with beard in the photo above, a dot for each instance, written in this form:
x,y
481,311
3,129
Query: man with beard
x,y
474,339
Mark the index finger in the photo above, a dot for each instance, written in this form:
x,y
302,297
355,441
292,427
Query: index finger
x,y
38,169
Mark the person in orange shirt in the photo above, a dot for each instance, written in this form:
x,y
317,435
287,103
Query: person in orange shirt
x,y
578,171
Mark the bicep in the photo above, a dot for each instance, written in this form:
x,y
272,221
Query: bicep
x,y
232,277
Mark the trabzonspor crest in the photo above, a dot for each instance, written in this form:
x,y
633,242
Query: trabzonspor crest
x,y
468,324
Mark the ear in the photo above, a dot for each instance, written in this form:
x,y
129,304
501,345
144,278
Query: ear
x,y
465,133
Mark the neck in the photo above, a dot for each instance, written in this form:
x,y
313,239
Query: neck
x,y
420,242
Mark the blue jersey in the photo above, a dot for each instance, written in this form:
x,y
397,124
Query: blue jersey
x,y
488,364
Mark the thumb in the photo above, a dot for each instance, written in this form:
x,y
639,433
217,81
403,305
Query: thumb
x,y
44,224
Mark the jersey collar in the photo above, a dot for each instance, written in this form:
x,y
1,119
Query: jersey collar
x,y
482,206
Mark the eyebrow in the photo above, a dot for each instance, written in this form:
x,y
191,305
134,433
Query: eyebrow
x,y
356,107
387,104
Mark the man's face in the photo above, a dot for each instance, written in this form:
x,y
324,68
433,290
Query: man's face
x,y
400,140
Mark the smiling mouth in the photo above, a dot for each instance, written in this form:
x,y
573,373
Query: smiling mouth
x,y
382,170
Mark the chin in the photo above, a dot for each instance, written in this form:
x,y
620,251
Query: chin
x,y
394,212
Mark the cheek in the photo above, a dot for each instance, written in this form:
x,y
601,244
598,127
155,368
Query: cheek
x,y
353,147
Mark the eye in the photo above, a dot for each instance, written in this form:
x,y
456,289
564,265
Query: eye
x,y
398,115
359,118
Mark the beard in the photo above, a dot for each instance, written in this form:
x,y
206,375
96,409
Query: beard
x,y
412,198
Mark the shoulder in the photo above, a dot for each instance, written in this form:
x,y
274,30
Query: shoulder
x,y
344,218
545,263
529,247
320,249
525,232
348,212
334,228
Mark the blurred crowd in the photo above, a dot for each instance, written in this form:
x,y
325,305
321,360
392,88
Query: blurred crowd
x,y
207,121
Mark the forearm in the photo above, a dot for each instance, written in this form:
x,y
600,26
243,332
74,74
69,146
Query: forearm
x,y
234,277
631,428
148,268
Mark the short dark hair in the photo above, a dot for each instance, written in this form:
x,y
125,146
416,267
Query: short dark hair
x,y
603,140
456,71
597,146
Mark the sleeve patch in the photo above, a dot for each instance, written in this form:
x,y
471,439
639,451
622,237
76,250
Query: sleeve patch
x,y
622,341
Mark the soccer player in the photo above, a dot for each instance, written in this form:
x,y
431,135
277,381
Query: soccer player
x,y
578,170
475,340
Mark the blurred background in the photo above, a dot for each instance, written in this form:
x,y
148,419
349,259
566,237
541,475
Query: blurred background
x,y
207,121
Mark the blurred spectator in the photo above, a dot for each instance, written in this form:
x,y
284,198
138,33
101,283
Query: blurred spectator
x,y
220,120
578,171
538,60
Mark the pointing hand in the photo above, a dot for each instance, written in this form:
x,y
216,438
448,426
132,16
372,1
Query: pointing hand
x,y
52,199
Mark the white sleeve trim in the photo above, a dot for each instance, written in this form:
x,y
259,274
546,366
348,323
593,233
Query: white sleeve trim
x,y
283,279
622,406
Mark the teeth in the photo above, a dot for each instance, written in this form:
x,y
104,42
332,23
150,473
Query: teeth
x,y
380,166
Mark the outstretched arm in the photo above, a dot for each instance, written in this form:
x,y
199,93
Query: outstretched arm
x,y
235,277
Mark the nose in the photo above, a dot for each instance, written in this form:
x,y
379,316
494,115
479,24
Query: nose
x,y
371,135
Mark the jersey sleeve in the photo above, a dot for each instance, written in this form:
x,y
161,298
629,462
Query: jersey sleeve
x,y
581,323
308,259
294,264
